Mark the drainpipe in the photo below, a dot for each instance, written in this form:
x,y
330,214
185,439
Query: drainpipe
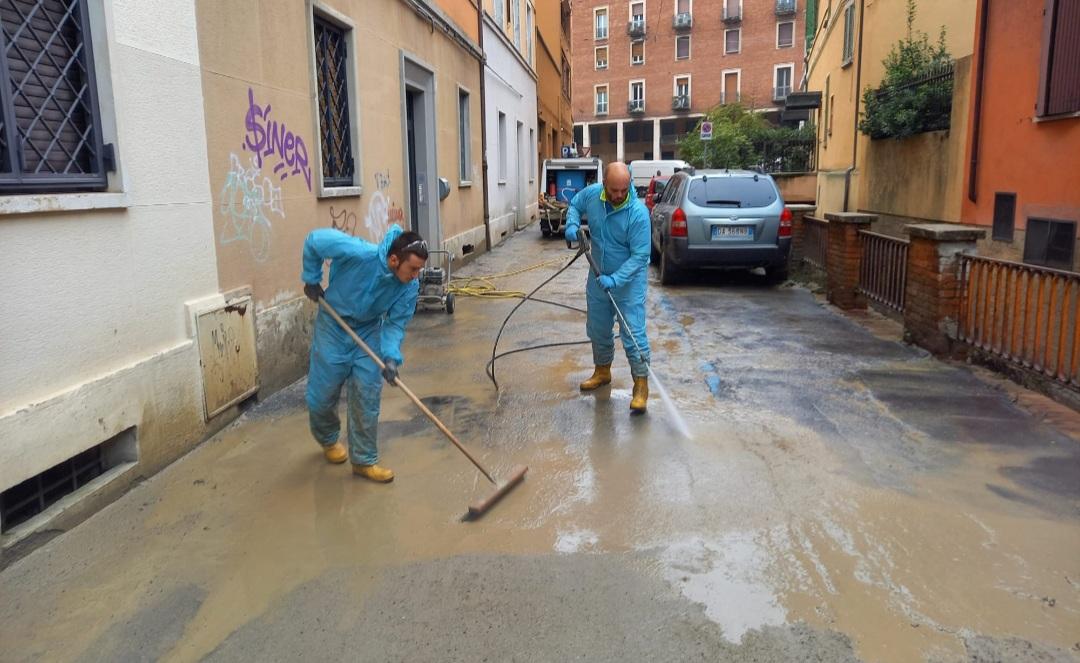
x,y
483,123
858,99
973,172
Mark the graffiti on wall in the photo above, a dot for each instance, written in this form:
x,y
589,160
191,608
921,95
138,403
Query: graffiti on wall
x,y
345,221
267,138
248,198
382,212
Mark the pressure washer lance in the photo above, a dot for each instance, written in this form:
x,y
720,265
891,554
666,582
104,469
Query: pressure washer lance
x,y
585,247
479,507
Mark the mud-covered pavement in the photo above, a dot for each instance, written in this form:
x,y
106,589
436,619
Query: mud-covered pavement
x,y
844,497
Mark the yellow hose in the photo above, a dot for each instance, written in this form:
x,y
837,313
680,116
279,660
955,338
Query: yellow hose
x,y
483,286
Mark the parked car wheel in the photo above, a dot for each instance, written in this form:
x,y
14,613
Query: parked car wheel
x,y
668,273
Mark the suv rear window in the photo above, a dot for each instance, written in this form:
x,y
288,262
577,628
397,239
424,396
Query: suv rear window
x,y
732,192
659,186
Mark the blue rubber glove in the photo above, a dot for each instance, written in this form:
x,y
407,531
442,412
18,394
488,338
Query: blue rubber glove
x,y
606,282
570,233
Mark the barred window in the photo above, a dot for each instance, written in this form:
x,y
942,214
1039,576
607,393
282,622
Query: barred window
x,y
335,134
50,125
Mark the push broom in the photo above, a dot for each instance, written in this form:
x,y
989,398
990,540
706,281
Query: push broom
x,y
479,507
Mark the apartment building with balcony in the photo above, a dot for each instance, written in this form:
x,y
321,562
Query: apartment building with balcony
x,y
646,71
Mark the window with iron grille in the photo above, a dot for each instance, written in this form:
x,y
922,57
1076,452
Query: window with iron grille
x,y
335,133
50,125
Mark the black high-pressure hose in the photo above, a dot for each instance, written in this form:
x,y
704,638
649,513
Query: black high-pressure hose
x,y
494,348
490,368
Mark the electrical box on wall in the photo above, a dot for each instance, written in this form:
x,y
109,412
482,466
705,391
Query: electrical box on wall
x,y
226,337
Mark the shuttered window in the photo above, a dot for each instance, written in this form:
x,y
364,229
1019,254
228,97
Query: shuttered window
x,y
50,127
1059,80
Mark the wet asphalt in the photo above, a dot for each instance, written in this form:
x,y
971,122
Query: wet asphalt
x,y
843,497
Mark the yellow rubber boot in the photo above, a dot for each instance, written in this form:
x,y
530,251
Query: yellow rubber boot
x,y
601,376
336,453
374,473
641,395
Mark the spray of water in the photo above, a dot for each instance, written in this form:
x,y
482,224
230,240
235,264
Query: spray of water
x,y
669,405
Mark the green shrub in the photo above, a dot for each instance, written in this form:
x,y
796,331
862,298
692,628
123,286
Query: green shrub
x,y
916,94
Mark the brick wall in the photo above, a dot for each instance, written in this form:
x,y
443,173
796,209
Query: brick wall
x,y
757,56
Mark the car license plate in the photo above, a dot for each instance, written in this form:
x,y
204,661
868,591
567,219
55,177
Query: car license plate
x,y
732,232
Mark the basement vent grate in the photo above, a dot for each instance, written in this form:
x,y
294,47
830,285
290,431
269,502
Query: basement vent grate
x,y
20,503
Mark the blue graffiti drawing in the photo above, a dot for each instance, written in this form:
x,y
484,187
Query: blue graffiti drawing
x,y
246,199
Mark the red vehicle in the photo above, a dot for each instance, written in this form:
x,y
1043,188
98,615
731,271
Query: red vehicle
x,y
655,190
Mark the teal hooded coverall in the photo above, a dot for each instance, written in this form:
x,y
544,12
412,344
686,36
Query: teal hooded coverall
x,y
620,245
378,306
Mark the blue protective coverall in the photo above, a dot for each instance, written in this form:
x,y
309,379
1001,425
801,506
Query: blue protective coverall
x,y
620,246
378,306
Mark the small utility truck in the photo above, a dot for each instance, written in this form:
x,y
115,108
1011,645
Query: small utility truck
x,y
562,179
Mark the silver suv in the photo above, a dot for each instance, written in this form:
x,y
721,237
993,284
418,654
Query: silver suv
x,y
721,219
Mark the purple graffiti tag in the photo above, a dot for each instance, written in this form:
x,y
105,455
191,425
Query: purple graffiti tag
x,y
270,138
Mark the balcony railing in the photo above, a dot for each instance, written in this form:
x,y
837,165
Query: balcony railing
x,y
636,29
732,14
680,102
785,7
635,106
780,93
683,21
726,98
601,108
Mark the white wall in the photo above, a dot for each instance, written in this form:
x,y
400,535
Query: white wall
x,y
510,88
94,335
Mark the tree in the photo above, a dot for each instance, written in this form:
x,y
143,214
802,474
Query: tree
x,y
744,139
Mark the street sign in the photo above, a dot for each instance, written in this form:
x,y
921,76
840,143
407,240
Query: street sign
x,y
706,131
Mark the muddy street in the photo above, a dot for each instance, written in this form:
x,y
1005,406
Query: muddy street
x,y
843,497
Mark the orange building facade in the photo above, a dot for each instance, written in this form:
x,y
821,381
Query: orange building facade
x,y
1023,145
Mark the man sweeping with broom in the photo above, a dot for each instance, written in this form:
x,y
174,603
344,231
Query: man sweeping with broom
x,y
374,289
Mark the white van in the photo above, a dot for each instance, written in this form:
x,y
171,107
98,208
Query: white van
x,y
642,171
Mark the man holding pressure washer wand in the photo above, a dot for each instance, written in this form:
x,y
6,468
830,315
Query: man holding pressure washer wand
x,y
619,235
